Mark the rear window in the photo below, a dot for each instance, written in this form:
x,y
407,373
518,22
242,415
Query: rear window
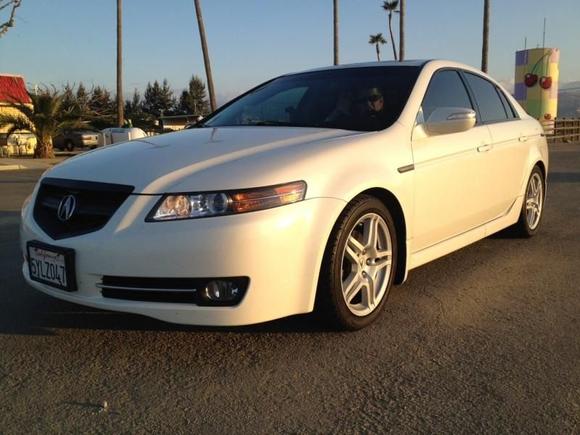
x,y
511,113
491,108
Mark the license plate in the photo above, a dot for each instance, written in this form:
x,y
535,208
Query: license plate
x,y
52,265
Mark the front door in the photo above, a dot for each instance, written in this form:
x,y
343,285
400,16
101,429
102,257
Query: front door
x,y
448,168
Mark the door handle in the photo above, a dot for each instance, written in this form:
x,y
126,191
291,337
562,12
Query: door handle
x,y
484,148
523,138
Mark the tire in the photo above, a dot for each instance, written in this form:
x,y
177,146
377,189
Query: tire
x,y
69,145
360,272
532,211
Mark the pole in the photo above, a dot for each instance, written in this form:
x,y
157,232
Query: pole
x,y
485,44
120,102
401,30
544,35
206,61
335,25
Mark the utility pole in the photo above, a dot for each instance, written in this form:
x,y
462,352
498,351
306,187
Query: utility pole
x,y
485,44
401,30
205,52
120,100
335,32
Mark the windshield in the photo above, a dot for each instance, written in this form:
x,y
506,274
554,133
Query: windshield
x,y
362,99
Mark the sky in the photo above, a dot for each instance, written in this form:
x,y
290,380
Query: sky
x,y
250,41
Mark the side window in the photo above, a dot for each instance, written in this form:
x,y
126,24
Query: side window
x,y
445,90
511,114
491,108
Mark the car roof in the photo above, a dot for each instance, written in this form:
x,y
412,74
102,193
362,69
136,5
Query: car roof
x,y
437,63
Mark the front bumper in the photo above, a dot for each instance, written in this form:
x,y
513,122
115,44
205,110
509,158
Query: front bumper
x,y
279,249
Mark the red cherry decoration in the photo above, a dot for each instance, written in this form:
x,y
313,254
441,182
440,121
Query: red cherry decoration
x,y
530,79
546,82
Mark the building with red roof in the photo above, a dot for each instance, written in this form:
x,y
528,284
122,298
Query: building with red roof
x,y
13,89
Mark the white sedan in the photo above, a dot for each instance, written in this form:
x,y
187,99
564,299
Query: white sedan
x,y
317,190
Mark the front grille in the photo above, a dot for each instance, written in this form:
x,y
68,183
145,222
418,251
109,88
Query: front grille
x,y
95,203
177,290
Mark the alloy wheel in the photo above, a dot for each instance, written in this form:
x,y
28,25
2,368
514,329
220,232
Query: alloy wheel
x,y
534,200
366,264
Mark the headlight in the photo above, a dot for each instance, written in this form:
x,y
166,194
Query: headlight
x,y
176,206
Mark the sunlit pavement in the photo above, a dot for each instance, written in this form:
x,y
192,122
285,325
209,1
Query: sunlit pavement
x,y
483,340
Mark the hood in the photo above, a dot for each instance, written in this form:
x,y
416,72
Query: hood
x,y
154,165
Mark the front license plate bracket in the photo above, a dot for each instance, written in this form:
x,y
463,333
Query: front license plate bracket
x,y
69,265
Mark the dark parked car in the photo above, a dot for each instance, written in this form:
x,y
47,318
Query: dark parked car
x,y
70,139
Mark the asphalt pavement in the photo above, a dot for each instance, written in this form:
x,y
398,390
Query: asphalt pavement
x,y
486,339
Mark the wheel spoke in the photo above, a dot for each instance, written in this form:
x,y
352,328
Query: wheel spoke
x,y
370,236
355,245
351,286
369,294
381,263
530,203
352,255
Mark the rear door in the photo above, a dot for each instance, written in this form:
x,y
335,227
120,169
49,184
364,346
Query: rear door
x,y
504,161
447,167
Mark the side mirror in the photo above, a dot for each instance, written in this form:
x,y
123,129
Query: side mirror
x,y
447,120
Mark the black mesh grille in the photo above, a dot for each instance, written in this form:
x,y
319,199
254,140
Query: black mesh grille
x,y
95,204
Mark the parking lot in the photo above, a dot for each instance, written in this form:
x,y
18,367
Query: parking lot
x,y
486,339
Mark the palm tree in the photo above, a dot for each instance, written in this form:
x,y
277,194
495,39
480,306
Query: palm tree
x,y
45,119
401,30
335,32
485,44
377,39
206,60
391,7
120,103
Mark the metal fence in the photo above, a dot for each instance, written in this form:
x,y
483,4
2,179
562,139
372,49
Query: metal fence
x,y
562,130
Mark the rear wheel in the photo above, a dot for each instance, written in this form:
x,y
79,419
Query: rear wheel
x,y
359,265
69,145
533,206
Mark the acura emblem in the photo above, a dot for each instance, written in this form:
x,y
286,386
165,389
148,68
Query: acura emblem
x,y
66,208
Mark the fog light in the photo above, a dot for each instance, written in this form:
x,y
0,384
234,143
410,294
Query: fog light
x,y
221,291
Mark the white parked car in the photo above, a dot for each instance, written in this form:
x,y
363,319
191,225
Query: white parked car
x,y
317,190
113,135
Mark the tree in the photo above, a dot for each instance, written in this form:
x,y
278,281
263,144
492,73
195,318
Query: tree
x,y
402,30
133,108
100,103
120,115
335,27
485,44
13,5
68,98
158,99
82,102
193,100
205,51
45,119
376,40
391,7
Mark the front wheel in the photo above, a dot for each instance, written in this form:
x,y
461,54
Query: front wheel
x,y
359,264
533,206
